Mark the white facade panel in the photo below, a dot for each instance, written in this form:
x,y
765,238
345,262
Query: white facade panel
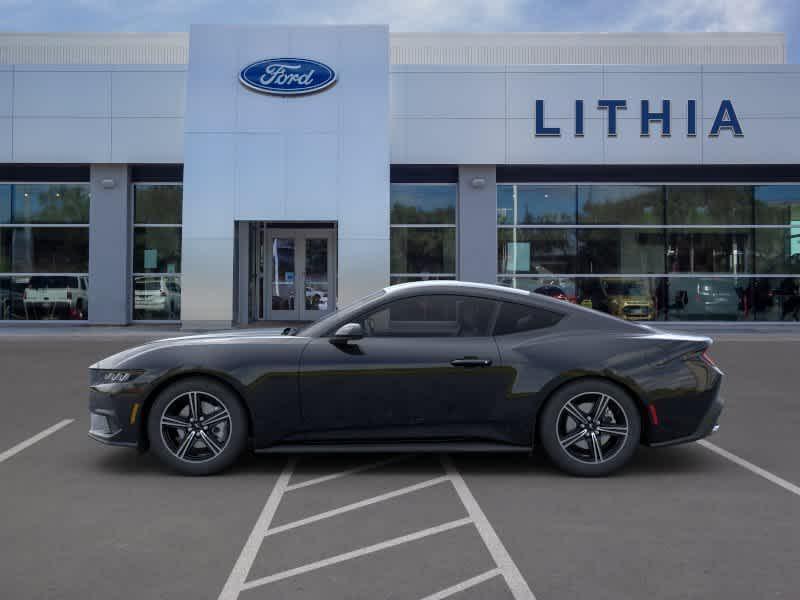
x,y
66,93
311,174
559,90
62,139
369,217
6,92
362,263
209,185
765,141
754,94
260,176
628,147
148,93
454,141
211,93
147,140
6,151
525,148
464,94
638,83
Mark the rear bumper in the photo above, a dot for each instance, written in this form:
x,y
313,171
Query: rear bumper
x,y
708,425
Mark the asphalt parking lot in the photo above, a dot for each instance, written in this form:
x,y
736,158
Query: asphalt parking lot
x,y
80,520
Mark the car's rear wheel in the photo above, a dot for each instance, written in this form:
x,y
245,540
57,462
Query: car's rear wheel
x,y
590,428
197,426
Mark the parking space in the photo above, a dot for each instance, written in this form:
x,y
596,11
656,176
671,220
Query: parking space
x,y
83,520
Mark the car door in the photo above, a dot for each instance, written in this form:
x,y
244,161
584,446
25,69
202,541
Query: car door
x,y
426,368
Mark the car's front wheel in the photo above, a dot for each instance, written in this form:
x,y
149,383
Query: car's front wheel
x,y
197,426
590,428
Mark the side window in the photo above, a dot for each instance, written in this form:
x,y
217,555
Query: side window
x,y
514,318
432,316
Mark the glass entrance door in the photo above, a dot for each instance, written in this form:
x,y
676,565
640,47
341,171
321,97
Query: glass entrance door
x,y
300,285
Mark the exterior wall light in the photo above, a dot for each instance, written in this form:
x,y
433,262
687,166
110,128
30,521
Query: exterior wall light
x,y
478,182
108,183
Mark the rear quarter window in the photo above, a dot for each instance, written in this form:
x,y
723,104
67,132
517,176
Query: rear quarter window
x,y
515,318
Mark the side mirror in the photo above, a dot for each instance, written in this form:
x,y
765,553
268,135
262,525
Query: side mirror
x,y
347,333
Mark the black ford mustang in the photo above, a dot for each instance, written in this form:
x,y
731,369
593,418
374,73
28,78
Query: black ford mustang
x,y
434,366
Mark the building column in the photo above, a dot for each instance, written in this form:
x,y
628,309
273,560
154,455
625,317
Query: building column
x,y
477,223
109,245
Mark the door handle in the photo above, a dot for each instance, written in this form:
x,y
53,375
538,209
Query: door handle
x,y
471,362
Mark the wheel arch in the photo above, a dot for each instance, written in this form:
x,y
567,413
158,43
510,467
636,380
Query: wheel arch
x,y
147,403
607,377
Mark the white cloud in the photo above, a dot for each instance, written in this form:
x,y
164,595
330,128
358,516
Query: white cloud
x,y
705,15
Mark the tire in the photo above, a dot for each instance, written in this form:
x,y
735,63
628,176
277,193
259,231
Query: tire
x,y
203,444
579,443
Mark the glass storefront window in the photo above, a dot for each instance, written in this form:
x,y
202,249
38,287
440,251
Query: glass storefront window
x,y
778,250
620,251
44,251
777,299
423,231
620,205
629,298
535,251
777,204
709,298
423,204
157,218
709,205
535,204
423,251
710,251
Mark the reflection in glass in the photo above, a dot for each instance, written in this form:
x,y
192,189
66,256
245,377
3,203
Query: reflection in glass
x,y
158,204
44,250
42,203
157,250
778,250
709,298
710,251
536,251
535,204
709,205
621,204
156,297
316,277
561,288
777,204
620,251
397,279
423,204
420,250
777,298
44,297
631,299
283,274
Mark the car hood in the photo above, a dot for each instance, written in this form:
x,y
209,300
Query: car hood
x,y
632,299
128,358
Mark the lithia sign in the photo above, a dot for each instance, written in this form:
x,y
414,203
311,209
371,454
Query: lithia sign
x,y
725,120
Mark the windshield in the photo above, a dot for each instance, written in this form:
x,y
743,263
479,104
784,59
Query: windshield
x,y
321,325
625,288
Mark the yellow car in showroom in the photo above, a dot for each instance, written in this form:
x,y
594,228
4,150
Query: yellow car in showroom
x,y
624,298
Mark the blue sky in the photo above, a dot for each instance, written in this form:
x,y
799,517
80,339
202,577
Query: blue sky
x,y
413,15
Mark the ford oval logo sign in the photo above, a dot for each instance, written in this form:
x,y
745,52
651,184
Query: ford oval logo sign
x,y
287,76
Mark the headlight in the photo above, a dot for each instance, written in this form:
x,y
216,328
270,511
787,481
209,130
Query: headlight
x,y
99,376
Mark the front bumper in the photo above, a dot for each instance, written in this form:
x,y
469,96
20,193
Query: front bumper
x,y
115,414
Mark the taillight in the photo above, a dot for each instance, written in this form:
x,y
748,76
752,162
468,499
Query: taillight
x,y
561,297
163,293
707,358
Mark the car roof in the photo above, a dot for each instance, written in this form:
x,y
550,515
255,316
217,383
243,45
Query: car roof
x,y
445,285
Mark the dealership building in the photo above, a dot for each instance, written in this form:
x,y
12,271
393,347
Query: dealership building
x,y
236,174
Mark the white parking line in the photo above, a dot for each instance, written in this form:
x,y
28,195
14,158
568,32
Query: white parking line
x,y
235,584
4,456
771,477
404,539
356,505
464,585
359,469
514,579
